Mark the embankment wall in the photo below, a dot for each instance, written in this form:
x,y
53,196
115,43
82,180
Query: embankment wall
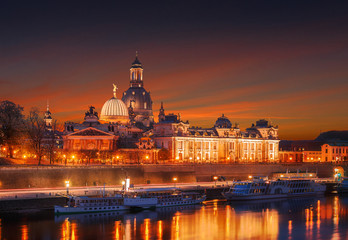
x,y
47,176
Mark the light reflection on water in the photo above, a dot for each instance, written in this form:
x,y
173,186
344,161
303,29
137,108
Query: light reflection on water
x,y
324,218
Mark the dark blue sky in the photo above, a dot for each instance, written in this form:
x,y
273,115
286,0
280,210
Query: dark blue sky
x,y
281,60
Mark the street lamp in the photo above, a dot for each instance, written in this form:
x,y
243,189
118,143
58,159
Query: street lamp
x,y
67,184
215,179
174,180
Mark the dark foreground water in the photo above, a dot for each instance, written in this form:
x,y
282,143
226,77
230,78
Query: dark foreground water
x,y
311,218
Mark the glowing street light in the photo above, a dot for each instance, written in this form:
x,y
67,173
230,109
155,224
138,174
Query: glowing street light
x,y
67,184
215,179
147,156
174,180
250,177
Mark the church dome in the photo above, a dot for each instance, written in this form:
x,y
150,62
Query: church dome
x,y
223,122
114,110
139,96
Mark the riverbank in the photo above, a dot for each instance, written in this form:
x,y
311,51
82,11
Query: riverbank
x,y
17,176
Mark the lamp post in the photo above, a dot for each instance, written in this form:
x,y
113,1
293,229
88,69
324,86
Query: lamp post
x,y
67,184
215,179
174,180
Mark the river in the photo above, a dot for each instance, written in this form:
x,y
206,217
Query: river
x,y
308,218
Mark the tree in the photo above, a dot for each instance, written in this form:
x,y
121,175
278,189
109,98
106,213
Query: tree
x,y
11,123
36,129
50,140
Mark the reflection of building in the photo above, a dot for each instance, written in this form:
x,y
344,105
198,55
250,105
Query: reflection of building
x,y
222,143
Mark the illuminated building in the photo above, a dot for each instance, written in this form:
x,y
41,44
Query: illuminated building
x,y
127,125
114,110
137,98
334,152
48,118
222,143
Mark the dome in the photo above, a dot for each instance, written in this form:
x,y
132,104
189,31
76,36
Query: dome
x,y
139,96
223,122
114,110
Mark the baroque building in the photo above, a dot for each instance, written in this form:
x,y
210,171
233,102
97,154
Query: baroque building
x,y
137,98
128,126
222,143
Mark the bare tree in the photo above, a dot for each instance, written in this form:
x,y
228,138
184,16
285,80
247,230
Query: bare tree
x,y
51,137
11,123
36,129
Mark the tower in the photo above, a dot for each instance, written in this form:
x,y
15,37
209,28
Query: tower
x,y
137,97
161,115
48,118
136,73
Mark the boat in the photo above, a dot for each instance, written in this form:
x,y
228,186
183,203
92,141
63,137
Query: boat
x,y
342,187
92,204
169,197
262,188
130,200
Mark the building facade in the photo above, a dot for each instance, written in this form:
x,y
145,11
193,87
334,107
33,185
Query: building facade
x,y
334,152
222,143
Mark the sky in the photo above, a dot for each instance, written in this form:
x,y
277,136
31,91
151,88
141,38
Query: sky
x,y
285,61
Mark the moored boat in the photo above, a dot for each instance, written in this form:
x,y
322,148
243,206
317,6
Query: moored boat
x,y
87,204
259,188
168,197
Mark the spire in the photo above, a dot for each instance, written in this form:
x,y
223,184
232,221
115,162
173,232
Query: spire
x,y
161,115
115,89
136,63
48,106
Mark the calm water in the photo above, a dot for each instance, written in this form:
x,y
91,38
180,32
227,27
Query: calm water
x,y
312,218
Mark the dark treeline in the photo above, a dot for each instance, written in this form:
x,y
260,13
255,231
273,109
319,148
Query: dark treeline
x,y
18,132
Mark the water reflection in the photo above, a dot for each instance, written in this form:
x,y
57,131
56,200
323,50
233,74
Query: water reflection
x,y
324,218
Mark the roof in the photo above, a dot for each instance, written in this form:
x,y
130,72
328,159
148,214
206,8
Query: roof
x,y
300,145
338,144
114,107
90,132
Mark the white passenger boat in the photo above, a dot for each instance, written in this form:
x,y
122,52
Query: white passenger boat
x,y
342,187
168,197
86,204
259,188
141,198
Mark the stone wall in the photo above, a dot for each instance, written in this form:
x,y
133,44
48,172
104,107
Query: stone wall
x,y
38,177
